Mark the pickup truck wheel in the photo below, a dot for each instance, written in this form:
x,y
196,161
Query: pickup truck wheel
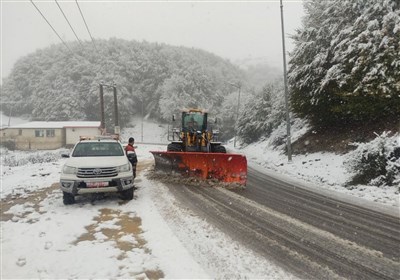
x,y
127,194
68,198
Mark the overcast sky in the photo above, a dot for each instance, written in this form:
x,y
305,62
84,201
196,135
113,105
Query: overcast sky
x,y
234,30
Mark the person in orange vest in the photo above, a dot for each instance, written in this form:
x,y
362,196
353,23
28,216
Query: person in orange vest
x,y
131,154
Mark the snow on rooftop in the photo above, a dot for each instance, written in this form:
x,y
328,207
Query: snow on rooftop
x,y
43,124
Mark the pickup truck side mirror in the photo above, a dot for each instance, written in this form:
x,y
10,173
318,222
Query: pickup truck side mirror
x,y
65,155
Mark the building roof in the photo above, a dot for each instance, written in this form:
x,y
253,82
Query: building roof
x,y
69,124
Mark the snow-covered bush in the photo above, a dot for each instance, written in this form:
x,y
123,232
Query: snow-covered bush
x,y
21,158
377,162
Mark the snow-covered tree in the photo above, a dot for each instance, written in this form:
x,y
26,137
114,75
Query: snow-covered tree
x,y
264,112
346,63
192,87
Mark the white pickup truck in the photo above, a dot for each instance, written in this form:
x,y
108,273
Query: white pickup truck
x,y
96,166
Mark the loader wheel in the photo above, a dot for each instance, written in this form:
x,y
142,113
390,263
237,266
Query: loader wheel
x,y
219,149
173,147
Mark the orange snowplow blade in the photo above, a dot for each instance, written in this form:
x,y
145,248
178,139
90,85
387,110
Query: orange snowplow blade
x,y
230,168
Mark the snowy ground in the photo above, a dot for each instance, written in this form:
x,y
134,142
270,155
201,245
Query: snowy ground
x,y
42,238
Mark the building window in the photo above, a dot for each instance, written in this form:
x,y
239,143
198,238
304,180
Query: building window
x,y
50,133
39,133
20,132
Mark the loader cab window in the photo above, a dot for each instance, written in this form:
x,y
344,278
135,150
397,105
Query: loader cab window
x,y
193,122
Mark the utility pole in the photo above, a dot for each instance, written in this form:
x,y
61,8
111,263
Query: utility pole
x,y
102,117
102,113
12,103
142,117
9,117
288,139
116,114
238,86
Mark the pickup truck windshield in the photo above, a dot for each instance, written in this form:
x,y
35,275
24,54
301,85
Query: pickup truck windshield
x,y
98,149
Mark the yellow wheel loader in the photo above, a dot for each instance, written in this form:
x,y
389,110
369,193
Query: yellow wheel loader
x,y
195,151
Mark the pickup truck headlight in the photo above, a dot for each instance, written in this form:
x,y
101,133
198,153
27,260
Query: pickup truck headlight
x,y
69,169
124,168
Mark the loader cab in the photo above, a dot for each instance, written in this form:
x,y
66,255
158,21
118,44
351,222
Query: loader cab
x,y
196,121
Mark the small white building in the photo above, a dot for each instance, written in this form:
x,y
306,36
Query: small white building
x,y
48,135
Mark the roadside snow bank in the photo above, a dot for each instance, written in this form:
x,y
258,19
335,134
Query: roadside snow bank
x,y
326,170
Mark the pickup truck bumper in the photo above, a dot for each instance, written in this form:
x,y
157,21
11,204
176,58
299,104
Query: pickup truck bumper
x,y
76,187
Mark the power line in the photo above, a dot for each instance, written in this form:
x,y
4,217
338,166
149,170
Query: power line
x,y
69,23
90,34
65,44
